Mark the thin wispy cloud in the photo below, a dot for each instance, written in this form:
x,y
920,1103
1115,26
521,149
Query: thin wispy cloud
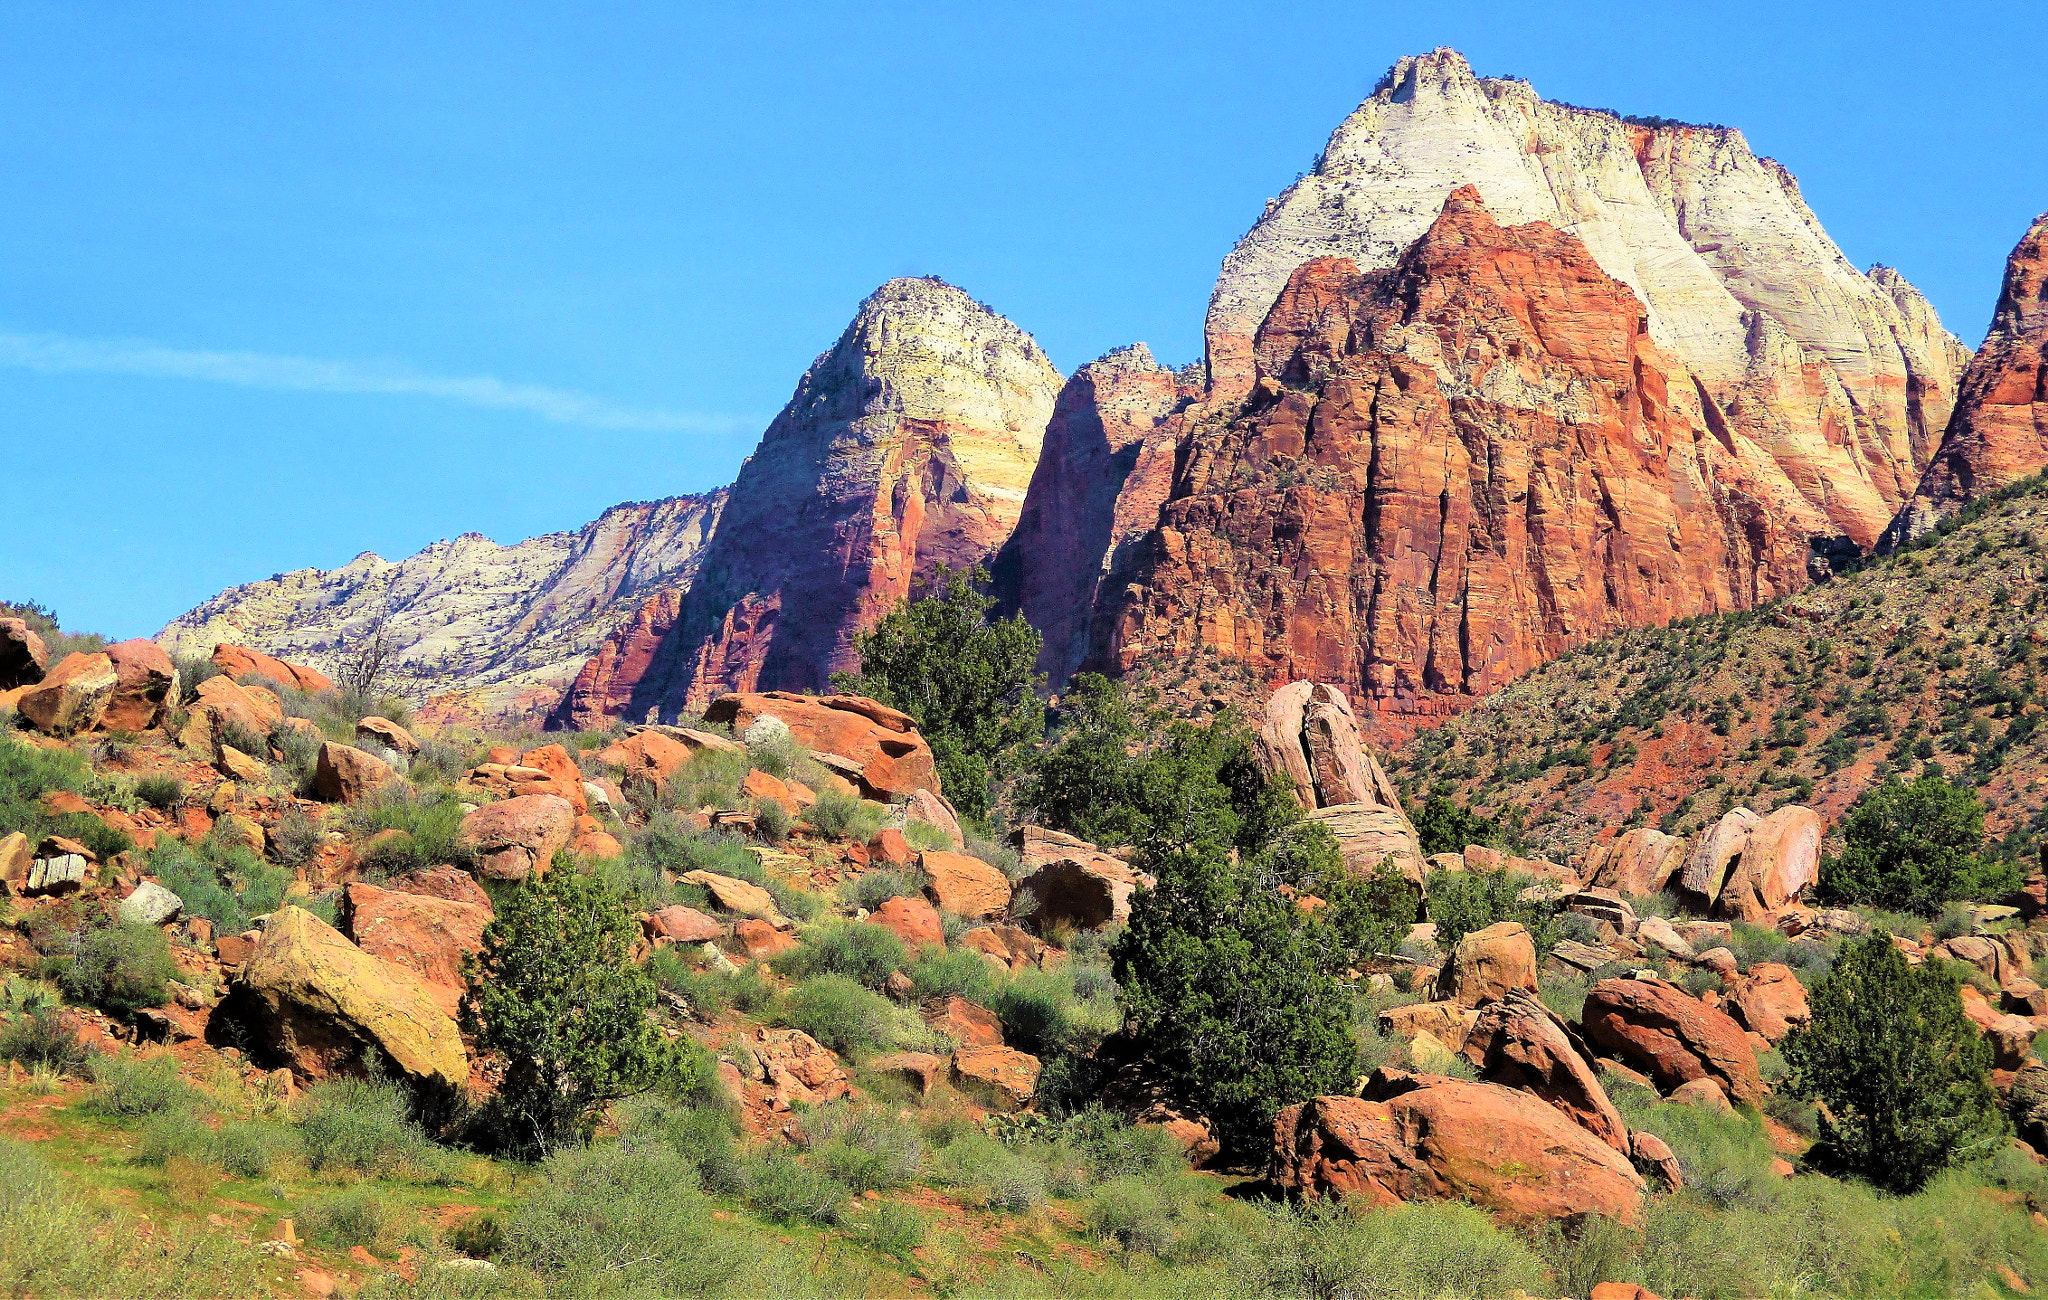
x,y
57,354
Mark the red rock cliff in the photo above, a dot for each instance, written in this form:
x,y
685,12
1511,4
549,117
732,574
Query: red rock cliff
x,y
1449,472
1998,433
907,446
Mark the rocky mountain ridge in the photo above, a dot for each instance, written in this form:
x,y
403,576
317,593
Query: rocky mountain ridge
x,y
482,628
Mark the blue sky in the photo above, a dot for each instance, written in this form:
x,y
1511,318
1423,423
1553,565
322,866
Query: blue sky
x,y
283,283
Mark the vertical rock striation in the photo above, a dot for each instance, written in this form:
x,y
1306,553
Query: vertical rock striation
x,y
907,446
1999,431
1851,377
1450,471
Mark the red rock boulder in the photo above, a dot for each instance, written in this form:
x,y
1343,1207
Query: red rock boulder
x,y
1069,882
1672,1036
1427,1138
912,920
882,743
428,936
515,837
240,661
1521,1043
72,696
964,886
347,775
23,656
1769,1000
142,691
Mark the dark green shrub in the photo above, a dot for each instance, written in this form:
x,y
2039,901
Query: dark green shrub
x,y
480,1236
1044,1015
556,993
121,968
1912,847
1463,901
160,792
253,1149
866,953
1901,1073
1231,989
1444,827
893,1229
772,819
970,683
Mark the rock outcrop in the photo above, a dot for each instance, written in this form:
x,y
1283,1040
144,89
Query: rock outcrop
x,y
1070,883
323,1004
489,629
1672,1036
879,747
1850,374
907,446
1519,1042
1425,1137
1450,471
1998,433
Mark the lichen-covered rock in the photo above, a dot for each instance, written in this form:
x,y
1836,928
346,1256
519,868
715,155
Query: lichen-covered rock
x,y
322,1003
426,935
72,696
150,904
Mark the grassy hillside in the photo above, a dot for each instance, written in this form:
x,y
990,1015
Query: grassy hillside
x,y
1929,656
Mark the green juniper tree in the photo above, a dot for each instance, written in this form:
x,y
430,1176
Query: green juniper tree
x,y
1899,1071
969,682
556,994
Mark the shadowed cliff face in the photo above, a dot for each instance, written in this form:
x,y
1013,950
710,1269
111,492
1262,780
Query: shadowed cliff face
x,y
907,446
1449,472
1999,432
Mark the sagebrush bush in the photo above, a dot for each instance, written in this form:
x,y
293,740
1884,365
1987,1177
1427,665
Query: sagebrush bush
x,y
131,1087
1438,1250
39,1040
363,1126
162,793
865,953
843,1016
356,1216
871,889
432,818
786,1190
952,972
863,1146
121,968
843,816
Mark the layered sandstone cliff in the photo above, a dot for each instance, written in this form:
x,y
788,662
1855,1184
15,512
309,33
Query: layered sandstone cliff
x,y
1999,432
498,629
1452,470
907,446
1848,379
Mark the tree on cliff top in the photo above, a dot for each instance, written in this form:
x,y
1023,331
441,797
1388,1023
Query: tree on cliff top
x,y
967,681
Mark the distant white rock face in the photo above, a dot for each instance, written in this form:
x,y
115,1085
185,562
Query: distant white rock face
x,y
1846,380
501,628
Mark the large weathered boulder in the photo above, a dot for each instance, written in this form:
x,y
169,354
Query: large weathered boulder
x,y
347,775
892,758
1708,859
452,883
374,730
72,696
239,661
515,837
1672,1036
223,704
1310,741
963,885
1641,862
964,1024
144,679
1491,963
1372,835
681,924
912,920
322,1004
428,936
1415,1138
23,656
735,895
1070,882
1521,1043
1768,999
1779,860
150,904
